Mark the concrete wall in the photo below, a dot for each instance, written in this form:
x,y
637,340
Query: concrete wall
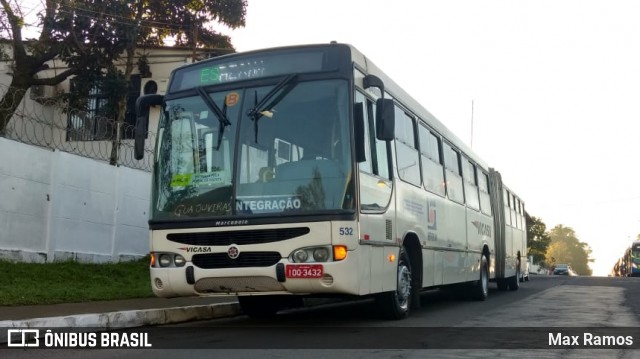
x,y
55,206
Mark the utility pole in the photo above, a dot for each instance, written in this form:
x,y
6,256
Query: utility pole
x,y
195,42
471,124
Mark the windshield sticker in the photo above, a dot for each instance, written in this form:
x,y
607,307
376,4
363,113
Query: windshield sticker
x,y
268,204
181,179
198,179
209,179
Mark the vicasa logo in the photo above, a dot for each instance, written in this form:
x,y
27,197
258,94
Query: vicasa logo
x,y
483,228
196,249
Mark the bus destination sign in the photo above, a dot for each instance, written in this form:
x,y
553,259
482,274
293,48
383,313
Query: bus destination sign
x,y
252,66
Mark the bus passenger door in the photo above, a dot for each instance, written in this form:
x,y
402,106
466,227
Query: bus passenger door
x,y
377,212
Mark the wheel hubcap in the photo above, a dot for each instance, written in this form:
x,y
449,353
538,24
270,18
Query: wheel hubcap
x,y
404,286
485,280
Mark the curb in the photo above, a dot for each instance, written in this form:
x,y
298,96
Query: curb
x,y
127,318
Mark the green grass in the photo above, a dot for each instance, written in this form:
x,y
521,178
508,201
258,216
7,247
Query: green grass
x,y
68,282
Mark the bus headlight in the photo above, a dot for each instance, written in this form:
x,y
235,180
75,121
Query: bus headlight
x,y
320,254
167,260
311,255
164,260
179,260
300,256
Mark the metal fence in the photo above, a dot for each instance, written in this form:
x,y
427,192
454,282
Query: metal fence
x,y
48,122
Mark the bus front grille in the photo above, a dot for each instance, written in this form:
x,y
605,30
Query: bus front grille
x,y
245,259
225,238
238,285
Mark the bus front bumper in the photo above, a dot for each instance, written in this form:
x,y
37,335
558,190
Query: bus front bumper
x,y
191,280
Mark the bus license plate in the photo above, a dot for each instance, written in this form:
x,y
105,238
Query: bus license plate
x,y
304,271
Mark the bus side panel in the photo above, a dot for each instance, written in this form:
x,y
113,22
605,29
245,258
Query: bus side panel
x,y
510,259
453,219
497,207
480,233
423,214
378,239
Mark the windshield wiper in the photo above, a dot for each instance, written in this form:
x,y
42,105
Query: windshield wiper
x,y
266,105
221,115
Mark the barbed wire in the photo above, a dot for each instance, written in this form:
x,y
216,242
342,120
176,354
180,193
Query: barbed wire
x,y
50,123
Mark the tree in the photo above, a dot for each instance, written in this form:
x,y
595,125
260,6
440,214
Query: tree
x,y
86,46
538,239
91,35
566,248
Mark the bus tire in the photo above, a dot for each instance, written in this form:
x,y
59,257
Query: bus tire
x,y
480,289
514,282
396,305
502,283
260,306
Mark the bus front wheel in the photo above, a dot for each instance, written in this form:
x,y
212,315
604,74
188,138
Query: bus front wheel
x,y
396,305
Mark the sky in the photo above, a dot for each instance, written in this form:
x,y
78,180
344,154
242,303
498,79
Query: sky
x,y
555,87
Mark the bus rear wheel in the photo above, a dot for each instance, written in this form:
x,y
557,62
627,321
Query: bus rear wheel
x,y
396,305
480,289
514,282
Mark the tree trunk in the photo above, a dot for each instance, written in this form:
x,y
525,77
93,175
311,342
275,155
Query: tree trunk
x,y
122,106
9,104
115,144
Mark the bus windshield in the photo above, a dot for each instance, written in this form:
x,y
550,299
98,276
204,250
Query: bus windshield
x,y
255,150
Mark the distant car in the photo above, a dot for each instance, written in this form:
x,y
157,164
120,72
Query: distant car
x,y
573,273
563,269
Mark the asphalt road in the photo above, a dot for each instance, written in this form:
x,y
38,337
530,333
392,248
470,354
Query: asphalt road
x,y
539,320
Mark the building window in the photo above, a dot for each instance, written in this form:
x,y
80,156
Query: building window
x,y
98,121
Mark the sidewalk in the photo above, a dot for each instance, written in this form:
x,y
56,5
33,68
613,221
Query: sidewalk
x,y
119,313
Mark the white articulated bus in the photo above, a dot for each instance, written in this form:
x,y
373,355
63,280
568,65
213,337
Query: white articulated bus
x,y
306,171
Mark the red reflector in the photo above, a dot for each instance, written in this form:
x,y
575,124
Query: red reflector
x,y
366,237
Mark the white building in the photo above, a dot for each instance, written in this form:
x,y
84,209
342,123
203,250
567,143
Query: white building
x,y
61,197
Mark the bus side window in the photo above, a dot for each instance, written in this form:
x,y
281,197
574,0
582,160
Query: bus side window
x,y
483,186
454,177
432,169
507,204
407,157
375,188
379,153
470,184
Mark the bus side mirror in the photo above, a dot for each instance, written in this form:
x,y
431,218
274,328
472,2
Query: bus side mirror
x,y
143,103
385,115
385,119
